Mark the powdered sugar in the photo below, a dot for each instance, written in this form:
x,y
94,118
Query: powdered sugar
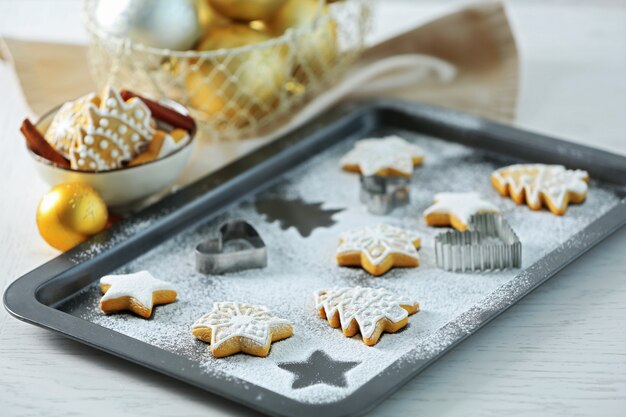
x,y
452,304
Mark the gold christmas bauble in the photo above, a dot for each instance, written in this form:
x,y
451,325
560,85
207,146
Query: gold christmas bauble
x,y
317,47
239,85
69,213
247,10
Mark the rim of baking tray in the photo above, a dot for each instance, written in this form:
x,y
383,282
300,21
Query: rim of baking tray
x,y
122,43
166,102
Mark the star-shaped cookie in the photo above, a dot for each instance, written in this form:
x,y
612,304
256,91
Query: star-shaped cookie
x,y
137,292
378,248
370,311
232,327
387,156
455,209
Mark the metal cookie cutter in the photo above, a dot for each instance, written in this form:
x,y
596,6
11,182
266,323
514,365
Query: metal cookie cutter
x,y
238,246
382,194
490,244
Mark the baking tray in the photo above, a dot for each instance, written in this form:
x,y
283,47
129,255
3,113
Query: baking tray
x,y
62,295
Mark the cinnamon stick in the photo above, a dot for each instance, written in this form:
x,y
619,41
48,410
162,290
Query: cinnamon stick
x,y
40,146
165,114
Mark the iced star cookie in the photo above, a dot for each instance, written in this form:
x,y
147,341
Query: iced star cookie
x,y
137,292
387,156
232,327
455,209
378,248
62,130
370,311
539,184
115,133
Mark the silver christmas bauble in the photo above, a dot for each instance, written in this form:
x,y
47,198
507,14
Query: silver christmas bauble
x,y
168,24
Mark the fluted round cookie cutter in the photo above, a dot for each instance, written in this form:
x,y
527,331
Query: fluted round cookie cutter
x,y
382,194
214,257
475,249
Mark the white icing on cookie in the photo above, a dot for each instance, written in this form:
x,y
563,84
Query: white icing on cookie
x,y
378,242
461,205
61,132
231,319
139,286
553,181
365,305
374,155
116,132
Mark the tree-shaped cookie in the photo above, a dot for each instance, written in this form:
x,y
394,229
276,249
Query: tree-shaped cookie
x,y
539,184
116,132
370,311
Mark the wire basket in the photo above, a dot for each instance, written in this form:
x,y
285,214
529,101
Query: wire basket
x,y
239,92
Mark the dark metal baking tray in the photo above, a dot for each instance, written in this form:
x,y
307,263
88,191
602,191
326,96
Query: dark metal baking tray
x,y
36,296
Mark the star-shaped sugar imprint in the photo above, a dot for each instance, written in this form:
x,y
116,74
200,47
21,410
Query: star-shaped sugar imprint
x,y
138,292
539,184
232,327
387,156
370,311
456,209
378,248
319,368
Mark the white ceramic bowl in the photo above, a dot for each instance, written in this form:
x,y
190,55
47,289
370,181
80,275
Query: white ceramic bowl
x,y
121,187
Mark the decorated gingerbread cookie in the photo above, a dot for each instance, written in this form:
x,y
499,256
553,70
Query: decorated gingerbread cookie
x,y
137,292
370,311
387,156
378,248
116,132
539,184
455,209
62,131
232,327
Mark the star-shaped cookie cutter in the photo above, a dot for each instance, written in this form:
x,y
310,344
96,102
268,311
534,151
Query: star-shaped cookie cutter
x,y
489,244
238,246
382,194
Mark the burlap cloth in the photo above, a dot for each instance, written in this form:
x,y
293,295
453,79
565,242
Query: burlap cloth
x,y
466,60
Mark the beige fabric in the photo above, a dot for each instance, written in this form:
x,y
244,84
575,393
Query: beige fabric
x,y
477,41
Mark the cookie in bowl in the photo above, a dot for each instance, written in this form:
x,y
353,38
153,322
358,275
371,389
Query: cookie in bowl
x,y
125,146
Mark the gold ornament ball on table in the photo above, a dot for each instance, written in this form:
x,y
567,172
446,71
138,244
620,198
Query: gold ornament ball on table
x,y
239,85
69,213
247,10
317,46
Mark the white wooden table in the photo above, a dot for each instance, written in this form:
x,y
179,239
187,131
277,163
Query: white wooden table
x,y
559,352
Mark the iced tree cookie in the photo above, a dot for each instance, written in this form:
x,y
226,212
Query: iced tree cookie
x,y
370,311
388,156
539,184
116,132
455,209
232,327
138,292
378,248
